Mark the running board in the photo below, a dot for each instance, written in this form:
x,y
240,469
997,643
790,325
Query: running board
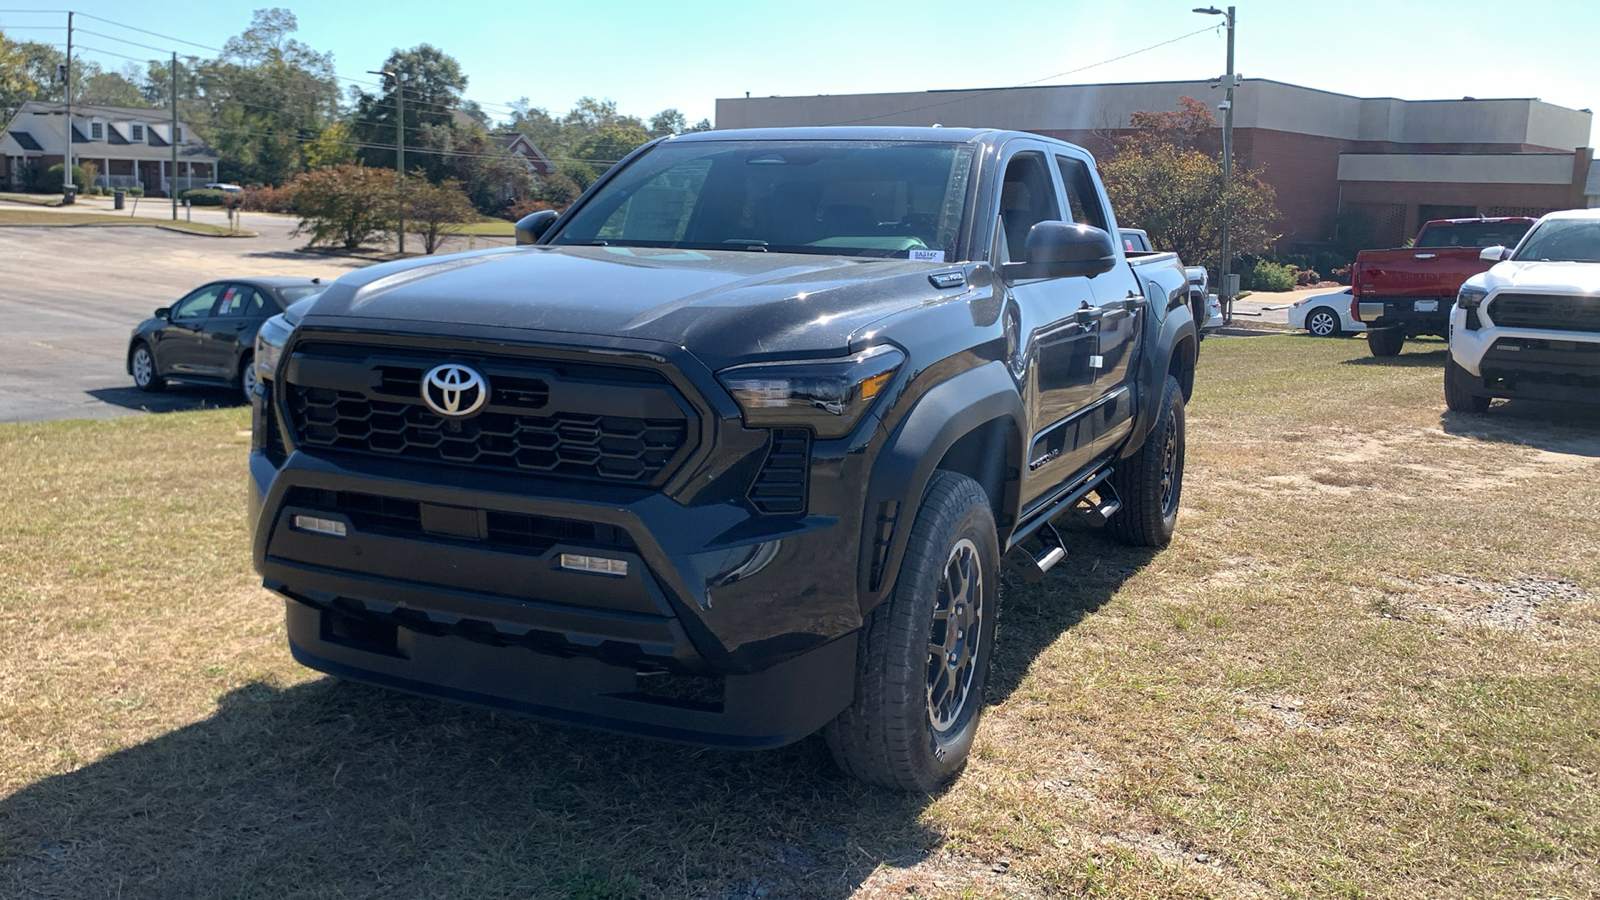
x,y
1095,499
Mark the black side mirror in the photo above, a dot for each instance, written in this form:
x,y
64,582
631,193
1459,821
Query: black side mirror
x,y
531,227
1062,249
164,312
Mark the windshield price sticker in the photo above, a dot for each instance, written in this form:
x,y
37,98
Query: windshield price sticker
x,y
927,255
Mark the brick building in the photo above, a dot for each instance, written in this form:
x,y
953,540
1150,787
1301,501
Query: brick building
x,y
1396,162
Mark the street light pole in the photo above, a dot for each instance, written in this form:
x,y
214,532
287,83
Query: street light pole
x,y
399,152
1229,82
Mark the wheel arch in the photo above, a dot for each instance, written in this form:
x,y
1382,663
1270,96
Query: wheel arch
x,y
971,424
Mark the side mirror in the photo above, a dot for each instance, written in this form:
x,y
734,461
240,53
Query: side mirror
x,y
1062,250
164,312
531,227
1494,254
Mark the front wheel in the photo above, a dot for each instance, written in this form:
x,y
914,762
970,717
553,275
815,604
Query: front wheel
x,y
1150,482
1323,322
922,662
143,364
1461,392
1385,341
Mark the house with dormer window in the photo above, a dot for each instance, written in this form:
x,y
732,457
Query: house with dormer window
x,y
130,147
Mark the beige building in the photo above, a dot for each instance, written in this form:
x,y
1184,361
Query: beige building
x,y
1395,162
130,147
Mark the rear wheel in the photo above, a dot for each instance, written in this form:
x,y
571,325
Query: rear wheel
x,y
1461,390
1323,322
1385,341
143,364
922,663
247,377
1150,482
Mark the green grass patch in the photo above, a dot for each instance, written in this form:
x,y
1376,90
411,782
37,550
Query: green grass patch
x,y
111,220
490,227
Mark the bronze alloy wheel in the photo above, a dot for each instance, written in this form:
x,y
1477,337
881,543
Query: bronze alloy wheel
x,y
954,639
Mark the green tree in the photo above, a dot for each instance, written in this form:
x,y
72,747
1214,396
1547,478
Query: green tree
x,y
432,82
432,210
109,89
16,78
347,204
605,147
1160,181
668,121
332,146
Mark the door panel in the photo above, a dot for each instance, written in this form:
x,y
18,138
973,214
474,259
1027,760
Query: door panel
x,y
179,346
237,311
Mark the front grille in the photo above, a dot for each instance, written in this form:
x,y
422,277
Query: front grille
x,y
514,532
568,420
1555,312
780,488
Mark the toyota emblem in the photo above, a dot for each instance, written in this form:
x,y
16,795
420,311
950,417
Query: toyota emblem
x,y
454,390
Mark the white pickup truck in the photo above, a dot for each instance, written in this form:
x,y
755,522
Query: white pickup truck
x,y
1530,326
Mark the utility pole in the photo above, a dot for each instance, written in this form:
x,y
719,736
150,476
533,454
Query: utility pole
x,y
172,141
1227,179
66,157
399,152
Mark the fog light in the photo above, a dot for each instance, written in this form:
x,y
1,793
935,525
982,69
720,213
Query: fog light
x,y
315,525
594,565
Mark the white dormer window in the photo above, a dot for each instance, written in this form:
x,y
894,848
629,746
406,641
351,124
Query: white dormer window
x,y
97,131
177,134
136,132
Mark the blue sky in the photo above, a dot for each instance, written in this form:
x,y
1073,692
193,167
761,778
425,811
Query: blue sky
x,y
650,55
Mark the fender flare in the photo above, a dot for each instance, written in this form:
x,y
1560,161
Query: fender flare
x,y
948,412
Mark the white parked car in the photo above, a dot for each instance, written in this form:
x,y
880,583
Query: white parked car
x,y
1324,315
224,186
1530,326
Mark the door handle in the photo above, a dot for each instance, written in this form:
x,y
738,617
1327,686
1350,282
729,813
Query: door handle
x,y
1136,301
241,326
1088,315
1423,255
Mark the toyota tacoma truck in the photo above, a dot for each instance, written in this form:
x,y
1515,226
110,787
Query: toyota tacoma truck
x,y
735,448
1530,326
1408,292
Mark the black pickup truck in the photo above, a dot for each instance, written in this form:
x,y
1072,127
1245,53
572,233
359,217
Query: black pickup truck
x,y
735,448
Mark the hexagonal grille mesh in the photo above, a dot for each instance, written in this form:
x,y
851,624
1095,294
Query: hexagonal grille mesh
x,y
366,400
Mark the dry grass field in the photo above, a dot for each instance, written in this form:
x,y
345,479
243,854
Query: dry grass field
x,y
1368,666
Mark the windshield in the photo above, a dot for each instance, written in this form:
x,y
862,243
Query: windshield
x,y
1563,240
1473,234
299,292
852,198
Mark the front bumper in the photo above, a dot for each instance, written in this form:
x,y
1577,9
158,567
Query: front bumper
x,y
1529,363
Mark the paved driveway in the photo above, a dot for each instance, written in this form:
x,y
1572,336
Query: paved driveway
x,y
69,297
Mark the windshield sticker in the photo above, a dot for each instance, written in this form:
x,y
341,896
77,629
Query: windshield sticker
x,y
927,255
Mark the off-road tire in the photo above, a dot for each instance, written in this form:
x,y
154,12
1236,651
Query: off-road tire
x,y
1150,482
1385,341
1461,392
887,736
152,382
1320,318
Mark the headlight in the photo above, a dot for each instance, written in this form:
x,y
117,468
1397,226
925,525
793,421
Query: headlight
x,y
828,396
274,333
1471,297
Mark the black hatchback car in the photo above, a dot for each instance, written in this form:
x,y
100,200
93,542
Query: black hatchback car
x,y
209,336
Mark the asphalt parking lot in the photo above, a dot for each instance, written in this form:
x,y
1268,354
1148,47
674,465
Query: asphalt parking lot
x,y
69,297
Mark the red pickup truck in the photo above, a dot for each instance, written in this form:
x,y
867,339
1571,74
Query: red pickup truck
x,y
1408,292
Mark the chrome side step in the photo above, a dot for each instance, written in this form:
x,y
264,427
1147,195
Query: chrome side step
x,y
1032,565
1038,546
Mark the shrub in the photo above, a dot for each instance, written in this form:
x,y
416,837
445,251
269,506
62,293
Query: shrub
x,y
135,191
432,208
267,199
204,197
348,204
52,179
1271,276
526,207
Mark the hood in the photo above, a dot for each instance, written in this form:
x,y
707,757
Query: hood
x,y
1542,277
723,306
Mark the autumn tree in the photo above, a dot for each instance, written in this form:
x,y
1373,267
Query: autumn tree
x,y
1162,179
346,204
432,210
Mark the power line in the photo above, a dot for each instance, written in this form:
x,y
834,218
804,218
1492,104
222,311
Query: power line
x,y
985,93
153,33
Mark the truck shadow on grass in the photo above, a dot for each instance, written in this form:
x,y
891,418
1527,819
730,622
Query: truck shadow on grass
x,y
332,788
1414,359
1555,427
